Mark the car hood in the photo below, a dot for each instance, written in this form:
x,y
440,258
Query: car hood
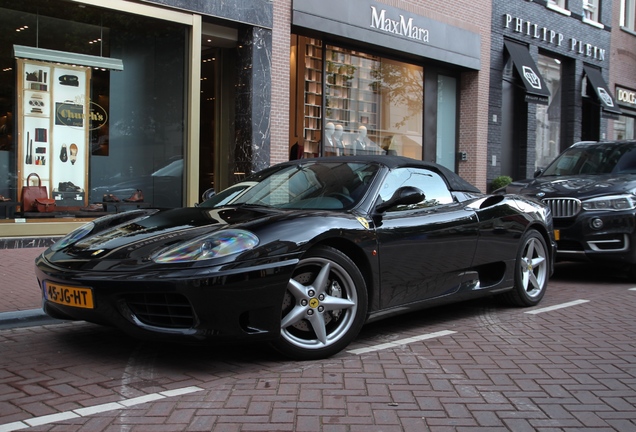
x,y
581,187
133,242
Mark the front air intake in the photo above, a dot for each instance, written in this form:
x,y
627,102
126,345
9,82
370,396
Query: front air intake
x,y
161,310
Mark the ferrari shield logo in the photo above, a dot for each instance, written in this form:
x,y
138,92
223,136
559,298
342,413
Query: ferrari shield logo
x,y
363,222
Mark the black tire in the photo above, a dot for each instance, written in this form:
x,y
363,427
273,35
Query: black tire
x,y
325,306
532,271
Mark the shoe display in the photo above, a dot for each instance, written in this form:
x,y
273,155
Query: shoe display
x,y
73,150
136,197
68,187
96,207
63,153
110,198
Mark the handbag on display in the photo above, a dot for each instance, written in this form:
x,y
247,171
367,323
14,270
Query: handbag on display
x,y
31,193
45,205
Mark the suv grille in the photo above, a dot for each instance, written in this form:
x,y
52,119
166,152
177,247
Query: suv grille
x,y
161,310
563,207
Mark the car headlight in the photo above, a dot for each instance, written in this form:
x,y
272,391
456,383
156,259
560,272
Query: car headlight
x,y
610,203
73,237
101,222
215,245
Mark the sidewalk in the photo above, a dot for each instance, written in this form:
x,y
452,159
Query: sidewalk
x,y
20,297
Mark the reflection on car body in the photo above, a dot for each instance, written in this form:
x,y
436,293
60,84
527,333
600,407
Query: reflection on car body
x,y
302,254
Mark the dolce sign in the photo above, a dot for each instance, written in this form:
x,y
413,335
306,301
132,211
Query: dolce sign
x,y
401,26
626,96
535,31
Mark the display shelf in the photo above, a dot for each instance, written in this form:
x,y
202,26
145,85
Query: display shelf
x,y
351,90
312,98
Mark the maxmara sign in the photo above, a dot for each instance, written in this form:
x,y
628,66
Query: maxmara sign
x,y
391,29
397,25
552,37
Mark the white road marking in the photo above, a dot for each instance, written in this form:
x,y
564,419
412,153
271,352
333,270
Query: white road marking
x,y
632,289
401,342
555,307
83,412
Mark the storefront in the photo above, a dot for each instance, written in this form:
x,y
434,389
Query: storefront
x,y
116,105
550,68
375,79
625,125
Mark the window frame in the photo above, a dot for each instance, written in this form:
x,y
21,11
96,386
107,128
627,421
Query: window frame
x,y
628,15
396,179
592,13
560,6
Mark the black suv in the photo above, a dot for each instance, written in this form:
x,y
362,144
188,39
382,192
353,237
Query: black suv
x,y
591,190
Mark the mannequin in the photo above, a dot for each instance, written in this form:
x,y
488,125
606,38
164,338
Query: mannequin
x,y
330,148
360,144
337,136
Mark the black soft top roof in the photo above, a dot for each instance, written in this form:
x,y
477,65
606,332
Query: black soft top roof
x,y
455,182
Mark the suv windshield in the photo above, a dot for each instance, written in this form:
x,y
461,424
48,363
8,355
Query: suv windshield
x,y
312,185
594,160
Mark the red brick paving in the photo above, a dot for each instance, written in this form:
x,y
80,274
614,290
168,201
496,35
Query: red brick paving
x,y
502,370
18,285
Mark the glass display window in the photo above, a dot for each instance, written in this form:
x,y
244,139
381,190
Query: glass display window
x,y
624,128
548,117
367,104
374,104
99,139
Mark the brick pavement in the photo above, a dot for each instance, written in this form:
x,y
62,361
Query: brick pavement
x,y
18,286
501,370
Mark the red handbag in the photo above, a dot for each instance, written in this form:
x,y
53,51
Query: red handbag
x,y
31,193
45,205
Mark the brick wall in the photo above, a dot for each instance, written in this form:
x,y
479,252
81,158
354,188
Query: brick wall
x,y
280,81
622,59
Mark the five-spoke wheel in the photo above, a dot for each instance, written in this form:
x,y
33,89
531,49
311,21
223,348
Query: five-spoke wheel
x,y
324,306
531,272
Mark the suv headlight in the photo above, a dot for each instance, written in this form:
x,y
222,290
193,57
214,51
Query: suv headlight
x,y
610,203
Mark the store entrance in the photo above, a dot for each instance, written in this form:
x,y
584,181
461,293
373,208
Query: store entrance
x,y
591,121
207,136
216,132
514,126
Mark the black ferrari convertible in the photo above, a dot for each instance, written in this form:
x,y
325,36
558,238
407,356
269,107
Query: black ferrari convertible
x,y
302,254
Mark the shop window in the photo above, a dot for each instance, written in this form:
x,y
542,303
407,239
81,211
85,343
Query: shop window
x,y
374,104
628,14
624,128
548,117
123,133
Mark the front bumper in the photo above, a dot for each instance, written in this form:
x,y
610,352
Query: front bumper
x,y
214,303
606,237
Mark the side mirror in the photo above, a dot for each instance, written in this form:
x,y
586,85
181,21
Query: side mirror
x,y
403,196
209,193
538,172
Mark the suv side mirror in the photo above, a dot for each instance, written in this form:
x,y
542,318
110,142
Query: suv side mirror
x,y
538,172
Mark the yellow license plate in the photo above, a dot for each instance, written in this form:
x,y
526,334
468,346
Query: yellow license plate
x,y
557,235
69,295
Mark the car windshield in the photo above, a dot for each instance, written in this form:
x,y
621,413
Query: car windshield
x,y
594,160
310,185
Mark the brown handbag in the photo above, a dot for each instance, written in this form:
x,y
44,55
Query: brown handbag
x,y
31,193
45,205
